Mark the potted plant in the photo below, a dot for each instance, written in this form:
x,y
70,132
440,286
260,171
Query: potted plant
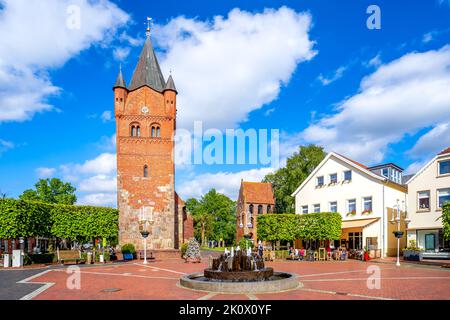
x,y
412,252
366,256
367,211
351,213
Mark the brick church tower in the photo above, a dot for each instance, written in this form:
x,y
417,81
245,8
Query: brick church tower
x,y
145,113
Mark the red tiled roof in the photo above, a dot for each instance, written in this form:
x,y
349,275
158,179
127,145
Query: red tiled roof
x,y
258,192
444,151
355,162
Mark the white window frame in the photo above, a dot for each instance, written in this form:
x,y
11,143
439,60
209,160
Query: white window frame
x,y
439,167
314,208
348,205
351,175
331,181
364,203
437,196
303,209
419,197
317,181
336,206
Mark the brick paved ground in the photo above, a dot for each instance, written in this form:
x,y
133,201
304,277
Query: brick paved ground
x,y
321,280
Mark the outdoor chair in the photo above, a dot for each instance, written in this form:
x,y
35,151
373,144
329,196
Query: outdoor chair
x,y
316,256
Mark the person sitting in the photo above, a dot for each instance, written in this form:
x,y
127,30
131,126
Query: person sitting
x,y
344,254
291,253
296,254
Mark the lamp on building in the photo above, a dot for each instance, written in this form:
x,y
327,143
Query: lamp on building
x,y
145,227
399,214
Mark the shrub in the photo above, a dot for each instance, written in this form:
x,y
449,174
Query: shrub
x,y
128,248
183,249
288,227
20,218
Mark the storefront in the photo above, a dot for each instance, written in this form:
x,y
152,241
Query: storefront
x,y
361,234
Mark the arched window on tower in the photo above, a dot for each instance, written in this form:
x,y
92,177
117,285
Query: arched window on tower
x,y
135,130
145,171
156,130
268,208
260,209
250,216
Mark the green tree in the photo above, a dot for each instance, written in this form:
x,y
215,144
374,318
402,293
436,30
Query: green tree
x,y
214,217
287,179
446,220
51,191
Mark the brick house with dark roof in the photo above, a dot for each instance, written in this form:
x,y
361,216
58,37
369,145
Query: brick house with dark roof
x,y
254,198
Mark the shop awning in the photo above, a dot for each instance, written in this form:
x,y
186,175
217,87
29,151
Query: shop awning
x,y
362,223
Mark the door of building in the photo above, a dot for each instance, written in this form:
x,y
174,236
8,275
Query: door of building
x,y
430,241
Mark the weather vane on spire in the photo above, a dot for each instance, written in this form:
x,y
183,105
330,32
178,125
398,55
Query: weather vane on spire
x,y
149,24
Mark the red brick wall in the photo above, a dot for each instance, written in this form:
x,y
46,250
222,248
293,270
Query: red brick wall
x,y
133,153
188,228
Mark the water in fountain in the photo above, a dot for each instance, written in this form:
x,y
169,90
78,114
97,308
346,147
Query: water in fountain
x,y
239,265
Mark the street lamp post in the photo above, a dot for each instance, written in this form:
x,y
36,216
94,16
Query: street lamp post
x,y
145,224
397,219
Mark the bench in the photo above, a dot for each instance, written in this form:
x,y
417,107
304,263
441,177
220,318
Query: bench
x,y
69,255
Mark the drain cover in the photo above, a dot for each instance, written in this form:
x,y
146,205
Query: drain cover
x,y
111,290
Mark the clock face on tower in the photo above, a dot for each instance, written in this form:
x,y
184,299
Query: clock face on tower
x,y
144,110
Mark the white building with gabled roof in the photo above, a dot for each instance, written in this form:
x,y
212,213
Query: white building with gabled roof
x,y
428,190
364,196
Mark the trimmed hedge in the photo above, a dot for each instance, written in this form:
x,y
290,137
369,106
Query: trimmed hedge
x,y
288,227
20,218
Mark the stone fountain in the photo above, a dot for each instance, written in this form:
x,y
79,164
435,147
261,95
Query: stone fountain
x,y
239,271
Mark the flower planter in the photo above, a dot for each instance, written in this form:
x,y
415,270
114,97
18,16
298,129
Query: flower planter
x,y
412,255
366,256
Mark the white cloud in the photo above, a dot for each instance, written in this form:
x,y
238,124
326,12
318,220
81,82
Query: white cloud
x,y
399,98
414,167
107,116
375,61
5,145
45,172
224,182
427,37
99,199
105,163
101,182
336,76
121,53
241,60
95,179
432,142
34,38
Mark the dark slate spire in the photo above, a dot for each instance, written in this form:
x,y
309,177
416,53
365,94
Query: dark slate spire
x,y
170,85
147,71
120,82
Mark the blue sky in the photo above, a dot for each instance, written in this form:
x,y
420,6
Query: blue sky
x,y
311,69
